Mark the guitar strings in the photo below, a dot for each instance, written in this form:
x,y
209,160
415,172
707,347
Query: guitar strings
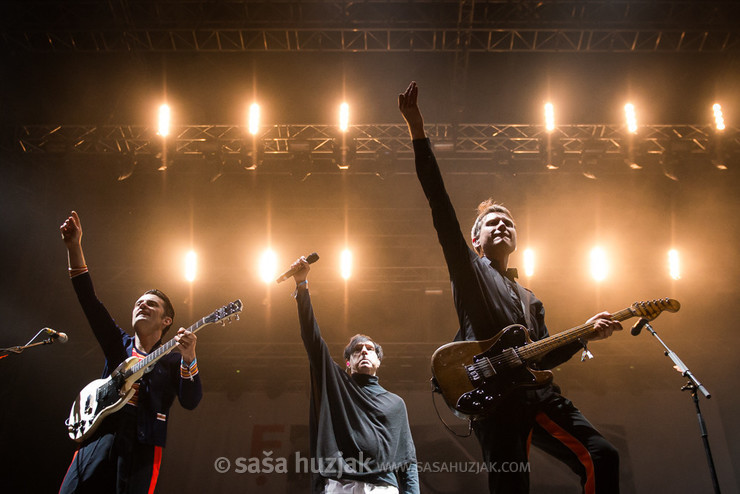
x,y
536,347
488,365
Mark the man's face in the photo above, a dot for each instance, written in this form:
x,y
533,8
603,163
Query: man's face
x,y
497,237
364,359
148,315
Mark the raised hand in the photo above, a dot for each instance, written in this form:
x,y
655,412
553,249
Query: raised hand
x,y
303,268
408,104
71,229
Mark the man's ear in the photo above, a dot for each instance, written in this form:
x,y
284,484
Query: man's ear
x,y
167,321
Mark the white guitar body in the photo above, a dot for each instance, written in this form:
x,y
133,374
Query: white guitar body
x,y
99,399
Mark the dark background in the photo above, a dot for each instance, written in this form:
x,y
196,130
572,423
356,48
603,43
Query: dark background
x,y
254,371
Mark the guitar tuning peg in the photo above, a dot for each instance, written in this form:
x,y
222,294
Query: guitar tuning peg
x,y
237,317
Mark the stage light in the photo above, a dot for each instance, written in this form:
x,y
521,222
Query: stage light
x,y
599,264
528,263
444,146
345,264
719,164
343,117
552,155
719,119
674,265
549,117
629,113
251,154
344,152
268,266
163,126
668,164
191,266
254,119
632,163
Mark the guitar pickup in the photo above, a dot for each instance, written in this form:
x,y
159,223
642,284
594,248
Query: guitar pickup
x,y
473,375
477,375
512,357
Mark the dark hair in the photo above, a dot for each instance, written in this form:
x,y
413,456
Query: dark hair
x,y
169,311
484,208
360,338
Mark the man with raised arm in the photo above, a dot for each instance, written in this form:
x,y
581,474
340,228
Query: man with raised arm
x,y
360,435
488,299
124,453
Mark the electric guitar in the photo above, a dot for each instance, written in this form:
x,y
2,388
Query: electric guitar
x,y
475,376
103,397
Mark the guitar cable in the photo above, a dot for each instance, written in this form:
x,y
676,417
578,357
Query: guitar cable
x,y
447,426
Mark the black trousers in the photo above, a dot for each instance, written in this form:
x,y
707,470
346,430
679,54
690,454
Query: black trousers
x,y
550,422
113,461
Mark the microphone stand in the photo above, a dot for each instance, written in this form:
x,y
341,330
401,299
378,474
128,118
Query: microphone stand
x,y
692,385
19,349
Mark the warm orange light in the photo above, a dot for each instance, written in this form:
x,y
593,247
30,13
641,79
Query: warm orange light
x,y
629,113
599,264
674,264
268,266
528,263
343,117
254,119
191,266
345,264
719,119
549,117
163,126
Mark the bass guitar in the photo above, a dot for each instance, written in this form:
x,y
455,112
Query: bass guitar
x,y
475,376
103,397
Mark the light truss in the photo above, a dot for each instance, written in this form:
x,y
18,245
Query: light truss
x,y
375,25
464,141
377,40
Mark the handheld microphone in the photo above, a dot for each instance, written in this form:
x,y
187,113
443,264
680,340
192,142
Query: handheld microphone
x,y
55,335
312,258
638,326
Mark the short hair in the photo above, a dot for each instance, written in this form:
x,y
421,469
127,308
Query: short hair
x,y
359,338
484,208
169,311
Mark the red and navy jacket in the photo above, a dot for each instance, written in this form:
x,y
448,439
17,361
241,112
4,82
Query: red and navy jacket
x,y
157,389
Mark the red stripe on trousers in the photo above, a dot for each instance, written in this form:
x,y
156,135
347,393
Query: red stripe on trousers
x,y
70,466
155,468
572,444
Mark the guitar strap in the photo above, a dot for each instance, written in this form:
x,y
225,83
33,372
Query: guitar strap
x,y
525,301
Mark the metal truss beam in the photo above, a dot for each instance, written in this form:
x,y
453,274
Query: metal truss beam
x,y
495,143
375,40
379,25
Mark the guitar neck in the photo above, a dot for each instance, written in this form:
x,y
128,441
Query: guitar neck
x,y
537,349
163,350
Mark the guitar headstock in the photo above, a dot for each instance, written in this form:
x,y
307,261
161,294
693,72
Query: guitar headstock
x,y
651,309
225,313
